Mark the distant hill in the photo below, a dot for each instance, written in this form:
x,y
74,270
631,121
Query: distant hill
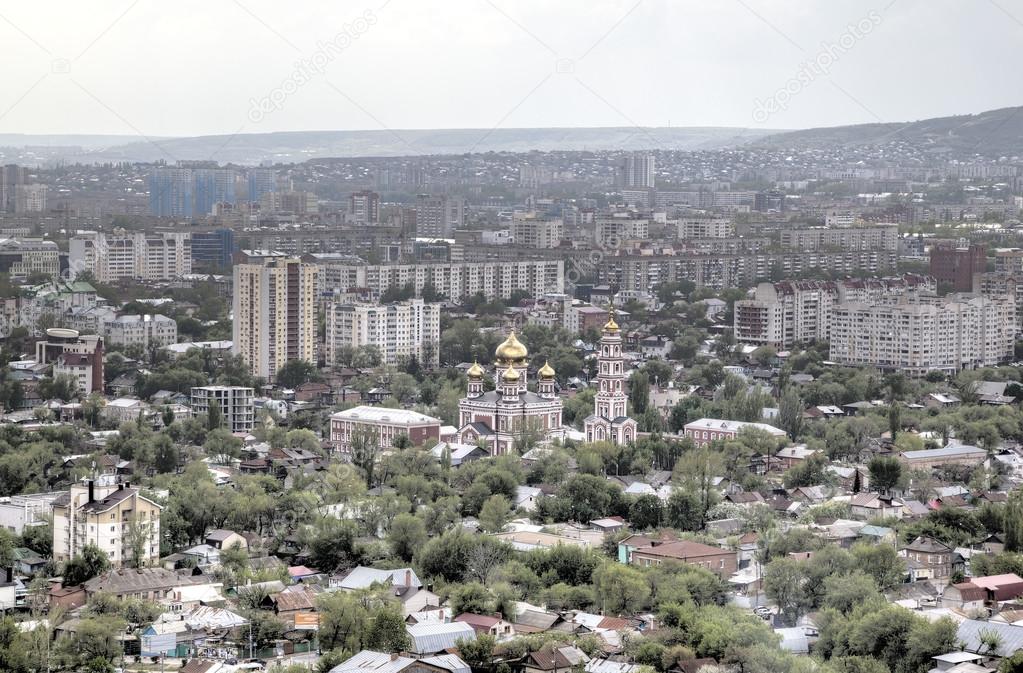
x,y
992,133
252,148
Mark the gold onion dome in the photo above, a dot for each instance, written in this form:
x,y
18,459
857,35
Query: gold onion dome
x,y
511,350
510,375
611,325
546,372
475,371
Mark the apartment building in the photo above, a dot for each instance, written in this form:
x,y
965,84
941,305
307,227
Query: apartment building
x,y
152,256
75,356
439,216
400,330
30,198
879,237
610,231
21,257
236,405
454,280
147,331
385,425
274,313
948,334
116,518
956,265
789,312
644,273
537,231
704,227
1000,284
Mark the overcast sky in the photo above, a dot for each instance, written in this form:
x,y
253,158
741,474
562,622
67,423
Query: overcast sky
x,y
190,67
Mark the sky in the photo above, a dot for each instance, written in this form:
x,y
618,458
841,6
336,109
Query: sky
x,y
197,67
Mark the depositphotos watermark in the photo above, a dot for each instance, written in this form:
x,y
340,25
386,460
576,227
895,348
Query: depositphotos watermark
x,y
819,66
308,68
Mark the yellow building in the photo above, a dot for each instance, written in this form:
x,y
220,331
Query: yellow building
x,y
274,312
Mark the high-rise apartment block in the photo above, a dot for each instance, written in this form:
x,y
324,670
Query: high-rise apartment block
x,y
880,237
789,312
189,192
401,330
274,313
439,216
364,207
532,230
947,334
12,176
955,265
149,256
636,170
117,519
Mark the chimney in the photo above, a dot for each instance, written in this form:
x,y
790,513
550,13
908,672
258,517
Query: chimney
x,y
10,575
120,487
92,490
498,615
408,577
394,656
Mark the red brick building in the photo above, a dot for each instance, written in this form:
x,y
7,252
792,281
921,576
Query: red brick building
x,y
956,266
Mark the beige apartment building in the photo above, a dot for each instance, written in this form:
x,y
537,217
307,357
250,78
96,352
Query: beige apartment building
x,y
114,518
274,313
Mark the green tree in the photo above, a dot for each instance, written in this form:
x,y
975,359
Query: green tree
x,y
91,562
623,590
387,632
406,535
494,514
790,412
885,473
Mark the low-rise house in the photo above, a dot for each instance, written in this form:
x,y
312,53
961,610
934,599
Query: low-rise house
x,y
707,430
873,505
928,459
147,583
929,559
490,625
723,562
562,659
226,539
458,454
963,596
434,638
368,661
790,456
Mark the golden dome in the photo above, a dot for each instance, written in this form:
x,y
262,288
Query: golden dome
x,y
511,375
611,325
475,371
511,350
546,372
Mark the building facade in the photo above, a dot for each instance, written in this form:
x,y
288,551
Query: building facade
x,y
384,425
401,330
118,519
274,313
946,334
152,256
147,331
236,403
537,231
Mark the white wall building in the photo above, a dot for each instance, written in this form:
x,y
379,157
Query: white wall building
x,y
148,331
144,256
236,405
400,330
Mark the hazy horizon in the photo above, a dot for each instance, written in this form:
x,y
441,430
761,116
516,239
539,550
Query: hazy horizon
x,y
250,66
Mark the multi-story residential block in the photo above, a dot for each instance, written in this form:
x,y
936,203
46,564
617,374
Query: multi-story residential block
x,y
610,231
260,181
123,255
74,356
707,430
30,198
147,331
940,333
878,237
704,227
956,265
12,176
213,249
364,207
534,230
236,403
1009,260
637,170
274,313
438,216
454,280
118,519
400,330
22,257
789,312
1001,284
187,192
384,426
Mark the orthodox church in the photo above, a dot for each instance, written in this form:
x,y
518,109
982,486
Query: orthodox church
x,y
496,418
610,420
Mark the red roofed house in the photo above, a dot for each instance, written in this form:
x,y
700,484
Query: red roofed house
x,y
721,561
494,625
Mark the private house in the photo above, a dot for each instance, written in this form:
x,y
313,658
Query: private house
x,y
868,506
723,562
929,559
554,660
491,625
368,661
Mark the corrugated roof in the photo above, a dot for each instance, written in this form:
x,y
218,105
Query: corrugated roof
x,y
972,631
432,638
